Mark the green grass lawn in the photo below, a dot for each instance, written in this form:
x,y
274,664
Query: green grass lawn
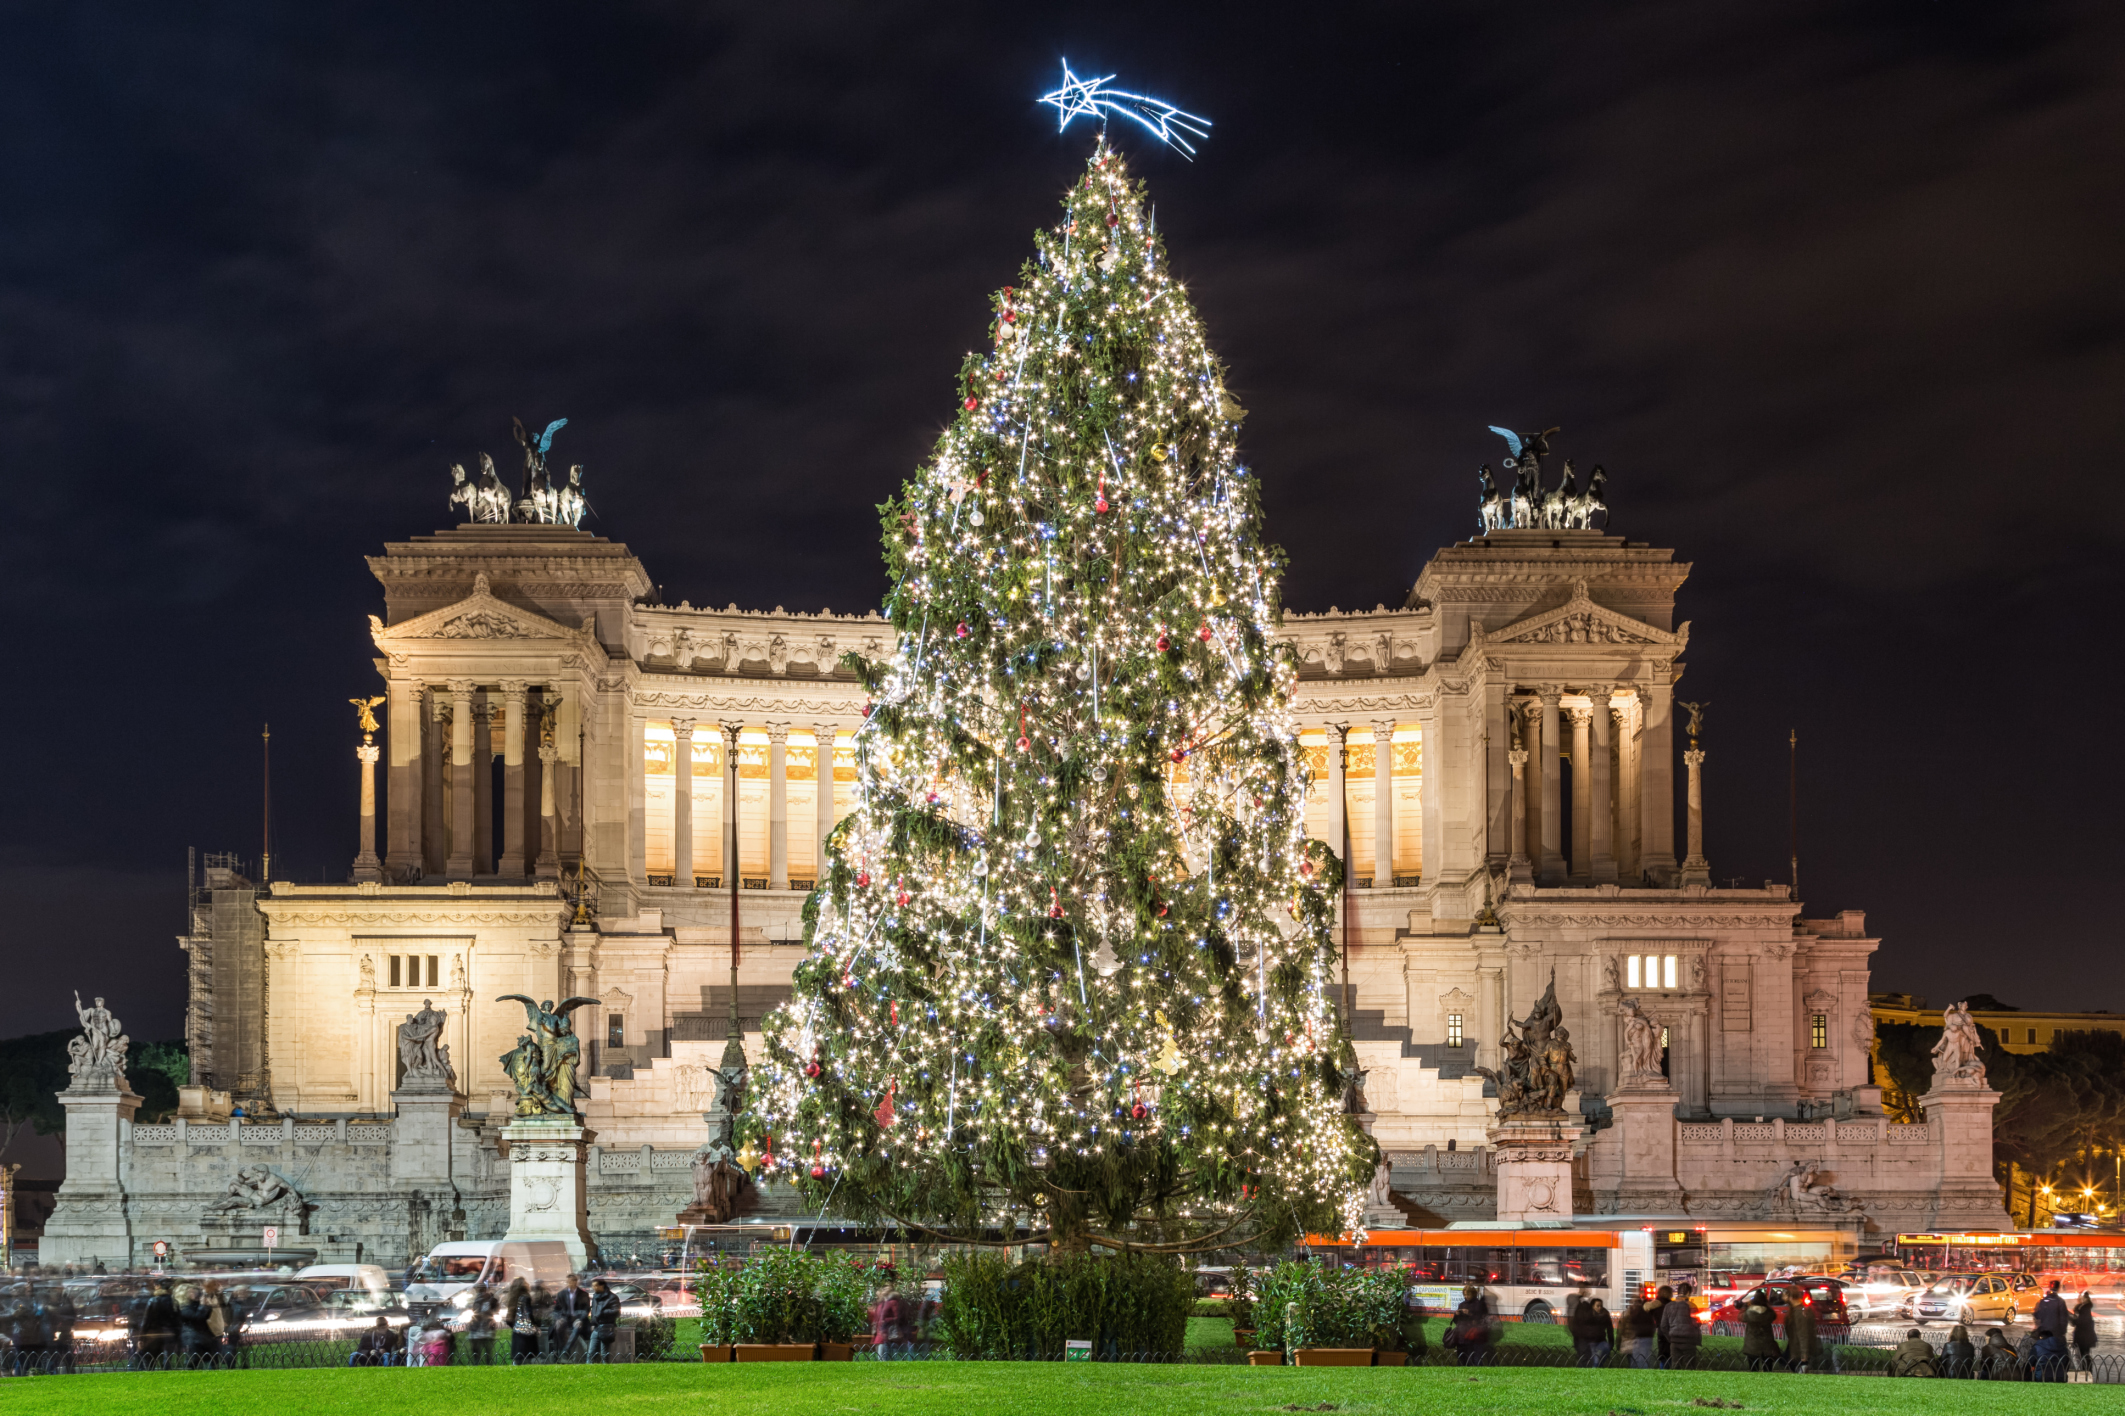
x,y
1046,1389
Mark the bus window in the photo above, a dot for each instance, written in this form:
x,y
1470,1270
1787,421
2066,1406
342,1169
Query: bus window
x,y
1588,1266
1542,1268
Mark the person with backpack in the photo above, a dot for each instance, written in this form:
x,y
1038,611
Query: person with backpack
x,y
1678,1328
1914,1358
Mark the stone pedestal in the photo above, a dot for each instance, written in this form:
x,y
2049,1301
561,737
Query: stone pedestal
x,y
548,1198
1532,1155
1635,1161
89,1222
420,1137
1959,1118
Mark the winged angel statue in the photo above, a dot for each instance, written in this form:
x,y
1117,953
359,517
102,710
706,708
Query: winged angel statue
x,y
544,1061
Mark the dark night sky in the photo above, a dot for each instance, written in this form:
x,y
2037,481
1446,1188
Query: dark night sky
x,y
1833,290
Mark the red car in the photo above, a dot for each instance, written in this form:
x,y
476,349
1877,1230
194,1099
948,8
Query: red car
x,y
1825,1295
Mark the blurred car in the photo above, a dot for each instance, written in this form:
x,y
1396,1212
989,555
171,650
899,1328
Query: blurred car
x,y
1825,1295
1884,1291
1966,1298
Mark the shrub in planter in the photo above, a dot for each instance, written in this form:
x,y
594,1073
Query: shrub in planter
x,y
1124,1304
844,1288
1312,1305
715,1286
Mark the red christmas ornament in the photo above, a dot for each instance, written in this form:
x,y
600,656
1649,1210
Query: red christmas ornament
x,y
867,710
1164,643
1306,868
1055,909
962,632
863,879
1113,220
1024,742
972,403
818,1169
1010,317
811,1068
1203,634
1179,753
903,897
1100,506
1161,910
893,1010
884,1115
1139,1111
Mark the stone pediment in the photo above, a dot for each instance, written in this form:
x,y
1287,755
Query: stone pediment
x,y
1580,621
479,615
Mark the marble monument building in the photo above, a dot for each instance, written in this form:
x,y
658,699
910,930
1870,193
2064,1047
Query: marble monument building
x,y
567,777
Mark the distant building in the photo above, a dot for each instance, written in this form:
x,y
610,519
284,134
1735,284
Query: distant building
x,y
2015,1029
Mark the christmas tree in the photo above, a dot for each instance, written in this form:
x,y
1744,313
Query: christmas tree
x,y
1070,964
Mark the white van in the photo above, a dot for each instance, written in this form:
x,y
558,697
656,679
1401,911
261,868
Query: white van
x,y
462,1265
367,1279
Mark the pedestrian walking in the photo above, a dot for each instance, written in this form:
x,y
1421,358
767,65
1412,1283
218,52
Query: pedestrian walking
x,y
1759,1337
155,1329
2084,1330
2051,1315
480,1328
1639,1323
604,1320
521,1318
195,1331
1593,1332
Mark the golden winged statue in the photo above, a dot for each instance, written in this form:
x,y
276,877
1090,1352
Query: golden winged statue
x,y
367,708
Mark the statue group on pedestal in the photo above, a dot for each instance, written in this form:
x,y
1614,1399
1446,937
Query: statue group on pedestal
x,y
544,1062
1958,1056
422,1052
720,1181
96,1059
1531,506
1537,1069
542,503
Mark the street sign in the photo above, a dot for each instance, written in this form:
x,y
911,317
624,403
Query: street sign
x,y
272,1236
162,1248
1077,1349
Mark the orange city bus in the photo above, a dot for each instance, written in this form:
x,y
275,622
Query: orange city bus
x,y
1526,1273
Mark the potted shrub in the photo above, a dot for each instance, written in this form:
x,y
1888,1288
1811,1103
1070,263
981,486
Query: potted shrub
x,y
844,1290
776,1308
715,1288
1328,1317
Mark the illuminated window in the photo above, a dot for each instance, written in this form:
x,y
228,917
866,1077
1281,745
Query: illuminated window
x,y
615,1030
1667,972
1819,1030
1453,1029
1633,969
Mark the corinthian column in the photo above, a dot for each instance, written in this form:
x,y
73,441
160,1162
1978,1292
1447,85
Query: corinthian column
x,y
1582,794
1338,763
549,824
366,866
778,806
511,866
435,790
682,803
1550,870
1383,803
823,777
1517,866
460,866
1696,870
1600,815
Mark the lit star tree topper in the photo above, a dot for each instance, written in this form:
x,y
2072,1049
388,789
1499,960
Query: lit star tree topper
x,y
1092,98
1070,964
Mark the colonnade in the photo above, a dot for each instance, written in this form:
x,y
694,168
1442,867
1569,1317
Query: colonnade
x,y
1335,791
442,782
685,870
1619,764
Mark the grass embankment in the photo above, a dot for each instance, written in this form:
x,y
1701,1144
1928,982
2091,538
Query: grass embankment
x,y
1045,1389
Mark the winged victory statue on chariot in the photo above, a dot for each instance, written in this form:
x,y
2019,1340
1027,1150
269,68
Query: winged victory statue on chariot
x,y
486,499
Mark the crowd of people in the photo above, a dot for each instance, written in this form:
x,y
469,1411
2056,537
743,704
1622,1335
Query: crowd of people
x,y
570,1324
